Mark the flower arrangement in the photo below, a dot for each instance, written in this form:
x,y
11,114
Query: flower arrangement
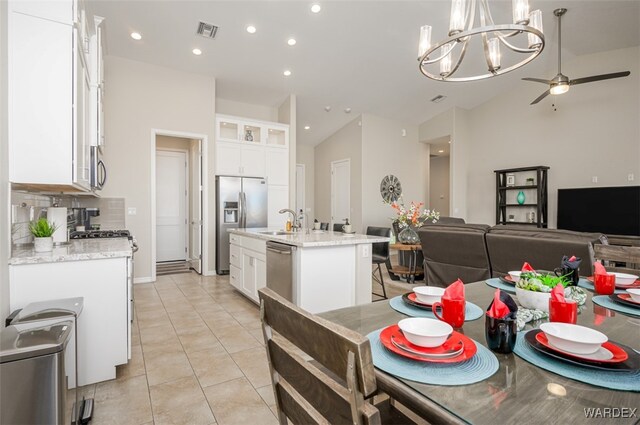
x,y
414,215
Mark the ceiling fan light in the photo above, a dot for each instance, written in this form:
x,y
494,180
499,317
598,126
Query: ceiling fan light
x,y
494,53
535,21
520,12
559,88
425,40
457,20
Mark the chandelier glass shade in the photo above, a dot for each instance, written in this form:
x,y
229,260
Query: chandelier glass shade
x,y
441,61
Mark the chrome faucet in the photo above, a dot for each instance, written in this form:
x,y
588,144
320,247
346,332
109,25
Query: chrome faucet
x,y
296,224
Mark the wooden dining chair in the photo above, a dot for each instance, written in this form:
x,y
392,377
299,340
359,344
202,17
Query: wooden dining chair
x,y
321,372
612,255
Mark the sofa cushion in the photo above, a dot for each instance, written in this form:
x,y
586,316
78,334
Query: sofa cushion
x,y
510,246
454,251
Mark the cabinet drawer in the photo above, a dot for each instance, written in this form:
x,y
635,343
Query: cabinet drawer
x,y
235,239
235,277
235,255
257,245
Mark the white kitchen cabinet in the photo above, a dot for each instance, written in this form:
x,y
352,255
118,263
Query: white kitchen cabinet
x,y
234,159
103,326
48,97
277,135
277,166
96,72
251,274
228,129
278,198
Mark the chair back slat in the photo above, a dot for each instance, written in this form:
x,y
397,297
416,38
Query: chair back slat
x,y
316,363
326,342
330,399
630,255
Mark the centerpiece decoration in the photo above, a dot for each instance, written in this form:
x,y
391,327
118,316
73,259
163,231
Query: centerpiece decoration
x,y
411,218
42,232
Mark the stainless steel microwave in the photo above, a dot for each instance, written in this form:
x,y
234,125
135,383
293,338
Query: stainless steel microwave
x,y
98,169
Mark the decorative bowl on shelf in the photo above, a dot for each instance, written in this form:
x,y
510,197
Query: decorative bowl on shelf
x,y
573,338
425,332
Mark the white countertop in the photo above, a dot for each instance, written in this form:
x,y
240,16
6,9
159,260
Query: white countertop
x,y
315,238
76,250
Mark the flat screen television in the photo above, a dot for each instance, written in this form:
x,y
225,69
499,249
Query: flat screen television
x,y
608,210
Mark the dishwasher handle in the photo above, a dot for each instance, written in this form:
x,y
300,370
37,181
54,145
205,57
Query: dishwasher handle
x,y
280,248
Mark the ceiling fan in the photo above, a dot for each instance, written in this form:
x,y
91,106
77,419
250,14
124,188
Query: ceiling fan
x,y
561,83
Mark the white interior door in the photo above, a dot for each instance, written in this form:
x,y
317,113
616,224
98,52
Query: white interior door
x,y
300,189
340,191
195,240
171,206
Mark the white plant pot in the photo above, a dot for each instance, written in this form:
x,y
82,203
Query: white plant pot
x,y
43,244
533,300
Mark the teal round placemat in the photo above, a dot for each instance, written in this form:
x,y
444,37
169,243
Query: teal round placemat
x,y
625,381
584,283
478,368
497,283
606,302
471,312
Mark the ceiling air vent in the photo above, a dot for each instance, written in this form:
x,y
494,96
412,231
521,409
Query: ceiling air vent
x,y
438,98
207,30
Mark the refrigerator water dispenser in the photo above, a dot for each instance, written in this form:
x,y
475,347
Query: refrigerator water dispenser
x,y
230,212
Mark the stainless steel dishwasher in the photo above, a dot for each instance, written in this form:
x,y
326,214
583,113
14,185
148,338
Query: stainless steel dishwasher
x,y
281,269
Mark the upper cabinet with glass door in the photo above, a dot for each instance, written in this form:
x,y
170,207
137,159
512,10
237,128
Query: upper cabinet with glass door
x,y
253,132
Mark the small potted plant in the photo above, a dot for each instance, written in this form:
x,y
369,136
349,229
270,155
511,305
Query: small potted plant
x,y
42,232
531,181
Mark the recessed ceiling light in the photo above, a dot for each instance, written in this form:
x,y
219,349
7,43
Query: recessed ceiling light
x,y
136,36
306,127
286,73
449,141
327,108
440,151
251,29
291,42
315,8
197,52
347,110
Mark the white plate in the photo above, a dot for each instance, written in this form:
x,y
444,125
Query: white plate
x,y
624,279
635,294
573,338
601,354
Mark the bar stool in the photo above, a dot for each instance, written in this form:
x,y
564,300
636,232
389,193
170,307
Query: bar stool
x,y
379,255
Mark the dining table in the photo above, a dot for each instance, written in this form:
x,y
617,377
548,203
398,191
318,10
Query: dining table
x,y
519,392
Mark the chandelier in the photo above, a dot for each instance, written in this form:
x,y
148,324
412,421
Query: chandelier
x,y
449,53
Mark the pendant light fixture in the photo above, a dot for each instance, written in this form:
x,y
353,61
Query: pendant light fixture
x,y
442,61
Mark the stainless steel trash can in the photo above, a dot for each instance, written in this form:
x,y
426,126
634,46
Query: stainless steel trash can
x,y
32,374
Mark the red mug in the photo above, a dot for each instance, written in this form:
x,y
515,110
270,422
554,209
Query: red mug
x,y
452,311
604,284
565,312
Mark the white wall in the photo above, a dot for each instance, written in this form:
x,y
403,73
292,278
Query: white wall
x,y
305,155
343,144
439,185
594,132
141,97
386,151
5,238
246,110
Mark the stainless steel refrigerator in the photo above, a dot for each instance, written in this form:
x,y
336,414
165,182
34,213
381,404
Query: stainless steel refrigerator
x,y
240,202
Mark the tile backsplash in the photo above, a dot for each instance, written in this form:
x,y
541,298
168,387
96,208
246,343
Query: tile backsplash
x,y
26,207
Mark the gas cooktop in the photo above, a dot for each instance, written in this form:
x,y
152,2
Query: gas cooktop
x,y
92,234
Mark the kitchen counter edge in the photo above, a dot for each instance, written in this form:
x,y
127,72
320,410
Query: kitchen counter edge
x,y
312,239
75,250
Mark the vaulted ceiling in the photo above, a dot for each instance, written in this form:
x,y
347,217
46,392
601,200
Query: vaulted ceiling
x,y
352,54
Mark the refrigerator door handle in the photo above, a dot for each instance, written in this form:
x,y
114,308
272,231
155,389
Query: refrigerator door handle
x,y
243,212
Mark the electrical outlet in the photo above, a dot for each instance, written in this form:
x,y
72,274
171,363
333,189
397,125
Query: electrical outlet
x,y
594,179
630,177
132,211
365,251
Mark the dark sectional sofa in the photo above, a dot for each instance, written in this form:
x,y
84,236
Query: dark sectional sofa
x,y
475,252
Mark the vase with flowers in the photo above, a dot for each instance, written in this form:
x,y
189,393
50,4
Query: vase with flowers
x,y
412,217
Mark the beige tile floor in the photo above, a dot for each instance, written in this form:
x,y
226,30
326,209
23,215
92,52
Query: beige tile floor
x,y
197,358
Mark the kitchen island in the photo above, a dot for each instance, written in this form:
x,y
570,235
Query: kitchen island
x,y
100,271
328,270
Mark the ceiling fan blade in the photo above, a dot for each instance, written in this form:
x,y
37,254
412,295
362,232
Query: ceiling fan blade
x,y
537,80
542,96
599,78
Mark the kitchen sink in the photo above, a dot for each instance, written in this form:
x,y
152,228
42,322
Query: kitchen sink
x,y
275,233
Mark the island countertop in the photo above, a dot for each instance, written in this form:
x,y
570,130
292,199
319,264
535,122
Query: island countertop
x,y
314,238
75,250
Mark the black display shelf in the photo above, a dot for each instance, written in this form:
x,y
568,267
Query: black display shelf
x,y
541,188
